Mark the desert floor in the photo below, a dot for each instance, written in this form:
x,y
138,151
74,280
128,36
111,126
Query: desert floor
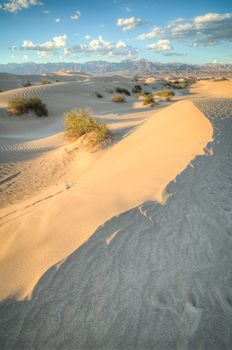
x,y
128,247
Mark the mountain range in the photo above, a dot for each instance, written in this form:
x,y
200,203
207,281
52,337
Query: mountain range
x,y
139,67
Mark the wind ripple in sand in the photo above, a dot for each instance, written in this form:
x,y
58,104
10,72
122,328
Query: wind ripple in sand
x,y
163,281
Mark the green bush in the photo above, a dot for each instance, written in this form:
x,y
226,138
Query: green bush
x,y
148,100
122,91
21,105
98,94
28,83
137,89
18,105
165,94
80,122
45,82
118,98
37,106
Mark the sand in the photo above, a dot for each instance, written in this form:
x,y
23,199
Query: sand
x,y
149,158
156,276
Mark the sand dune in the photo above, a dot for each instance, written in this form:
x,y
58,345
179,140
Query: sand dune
x,y
28,142
136,169
221,89
155,277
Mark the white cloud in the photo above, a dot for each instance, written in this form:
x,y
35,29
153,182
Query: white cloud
x,y
47,48
57,20
212,17
46,12
160,46
87,37
129,23
208,30
155,33
128,9
101,47
76,16
17,5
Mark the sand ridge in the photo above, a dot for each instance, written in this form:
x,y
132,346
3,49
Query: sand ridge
x,y
150,157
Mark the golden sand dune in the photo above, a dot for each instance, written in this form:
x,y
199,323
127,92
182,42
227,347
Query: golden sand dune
x,y
136,169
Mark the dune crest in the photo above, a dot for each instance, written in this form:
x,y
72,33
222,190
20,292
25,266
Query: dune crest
x,y
135,170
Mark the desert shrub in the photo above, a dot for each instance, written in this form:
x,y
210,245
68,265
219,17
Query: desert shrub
x,y
137,89
18,105
21,105
166,94
118,98
138,94
148,99
98,94
37,106
45,82
28,83
122,91
80,122
57,80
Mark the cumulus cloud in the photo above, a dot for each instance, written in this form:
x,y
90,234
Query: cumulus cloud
x,y
101,47
129,23
47,48
155,33
76,16
87,37
208,30
160,46
17,5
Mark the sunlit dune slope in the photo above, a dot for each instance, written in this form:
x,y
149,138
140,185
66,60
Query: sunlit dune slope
x,y
136,169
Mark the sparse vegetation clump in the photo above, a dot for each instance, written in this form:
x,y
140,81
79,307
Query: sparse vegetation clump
x,y
18,105
98,94
137,89
148,100
22,105
165,94
79,122
118,98
45,82
28,83
36,105
122,91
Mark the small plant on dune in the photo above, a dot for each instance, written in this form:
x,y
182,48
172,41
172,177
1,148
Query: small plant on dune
x,y
148,100
137,89
37,106
28,83
166,94
79,122
118,98
18,105
21,105
98,94
45,82
122,91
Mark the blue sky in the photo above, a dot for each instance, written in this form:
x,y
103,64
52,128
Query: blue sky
x,y
82,30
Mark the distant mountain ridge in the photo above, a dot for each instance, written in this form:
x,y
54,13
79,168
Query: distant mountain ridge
x,y
142,66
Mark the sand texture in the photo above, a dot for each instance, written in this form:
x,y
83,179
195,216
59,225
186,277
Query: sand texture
x,y
128,247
